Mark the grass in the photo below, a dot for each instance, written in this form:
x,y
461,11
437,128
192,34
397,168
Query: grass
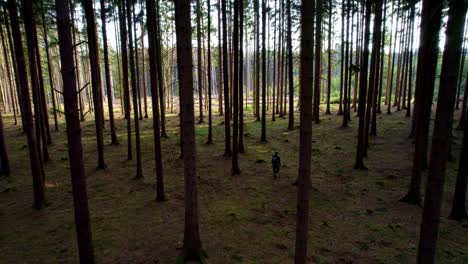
x,y
250,218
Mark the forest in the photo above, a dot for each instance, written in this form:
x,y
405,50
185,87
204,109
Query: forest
x,y
233,131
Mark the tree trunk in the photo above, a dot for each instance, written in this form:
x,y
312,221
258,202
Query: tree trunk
x,y
263,135
257,60
160,73
318,63
329,75
192,245
95,78
37,170
210,114
8,73
134,84
75,150
241,78
443,121
227,122
235,92
220,64
199,62
151,12
359,164
290,66
427,64
108,76
305,136
126,89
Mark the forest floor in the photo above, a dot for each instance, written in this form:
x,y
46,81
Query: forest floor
x,y
355,215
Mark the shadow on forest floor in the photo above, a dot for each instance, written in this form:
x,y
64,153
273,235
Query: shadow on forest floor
x,y
250,218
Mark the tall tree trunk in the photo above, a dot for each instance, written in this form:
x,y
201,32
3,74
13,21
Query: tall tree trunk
x,y
427,64
152,32
160,72
290,66
75,150
220,64
346,83
359,163
329,74
342,61
318,62
126,89
95,78
29,25
192,245
210,114
14,64
390,77
77,68
227,122
199,62
8,73
257,60
46,137
37,170
263,135
241,78
143,72
49,66
305,136
110,102
137,64
442,123
134,84
235,92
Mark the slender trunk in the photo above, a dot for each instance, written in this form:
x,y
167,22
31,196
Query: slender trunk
x,y
143,72
210,115
75,149
199,62
235,92
160,73
329,74
37,170
134,85
241,78
125,85
151,12
220,64
290,66
95,79
108,76
359,164
263,135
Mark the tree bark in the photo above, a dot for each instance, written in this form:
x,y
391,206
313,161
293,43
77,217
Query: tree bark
x,y
192,245
107,76
427,64
95,79
75,150
151,12
305,136
37,170
442,123
134,84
